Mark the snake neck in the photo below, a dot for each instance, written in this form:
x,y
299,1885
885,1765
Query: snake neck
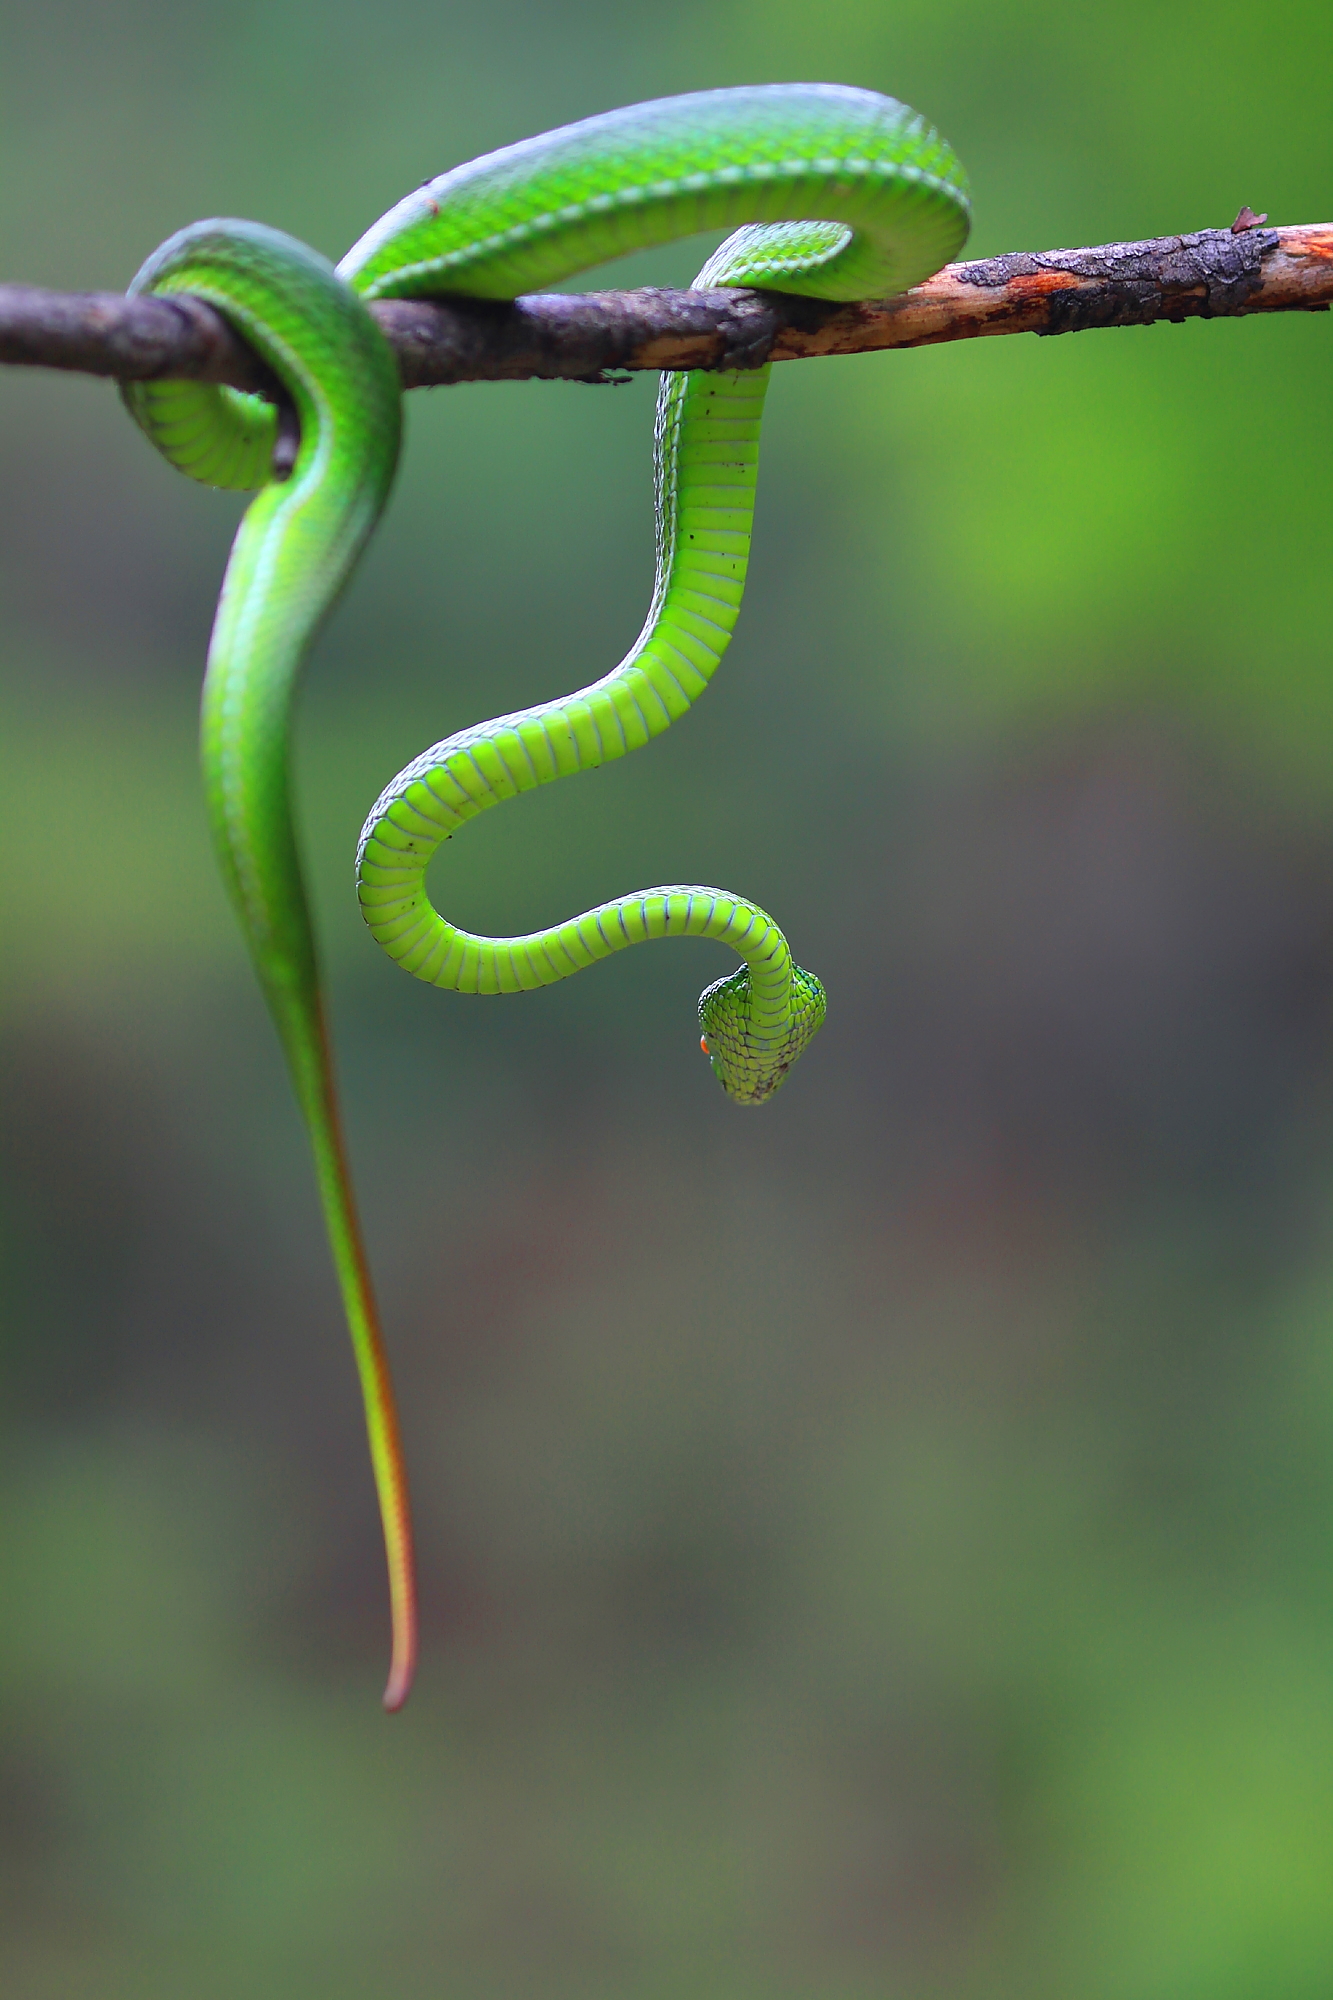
x,y
707,451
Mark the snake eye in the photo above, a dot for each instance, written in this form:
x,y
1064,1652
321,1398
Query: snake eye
x,y
703,1043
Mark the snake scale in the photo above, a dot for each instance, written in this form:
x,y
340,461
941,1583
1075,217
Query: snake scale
x,y
832,192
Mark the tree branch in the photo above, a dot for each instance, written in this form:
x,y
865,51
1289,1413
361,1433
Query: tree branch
x,y
1212,274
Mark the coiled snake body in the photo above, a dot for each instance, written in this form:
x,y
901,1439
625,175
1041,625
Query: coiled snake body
x,y
842,194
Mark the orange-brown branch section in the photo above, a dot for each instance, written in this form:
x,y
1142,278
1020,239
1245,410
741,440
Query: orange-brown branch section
x,y
1210,274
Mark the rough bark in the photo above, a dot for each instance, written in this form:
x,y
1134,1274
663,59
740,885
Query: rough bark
x,y
1213,273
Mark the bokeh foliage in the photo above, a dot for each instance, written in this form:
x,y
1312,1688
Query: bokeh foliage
x,y
880,1546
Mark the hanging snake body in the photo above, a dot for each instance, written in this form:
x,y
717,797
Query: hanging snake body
x,y
840,194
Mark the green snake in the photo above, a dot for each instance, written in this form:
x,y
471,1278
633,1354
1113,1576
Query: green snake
x,y
839,194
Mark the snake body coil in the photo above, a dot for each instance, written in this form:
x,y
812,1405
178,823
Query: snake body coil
x,y
842,194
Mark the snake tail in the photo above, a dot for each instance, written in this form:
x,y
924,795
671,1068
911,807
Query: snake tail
x,y
295,548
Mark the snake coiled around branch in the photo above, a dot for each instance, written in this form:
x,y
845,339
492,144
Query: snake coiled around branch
x,y
832,192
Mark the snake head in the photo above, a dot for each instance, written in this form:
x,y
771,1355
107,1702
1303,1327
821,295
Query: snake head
x,y
750,1066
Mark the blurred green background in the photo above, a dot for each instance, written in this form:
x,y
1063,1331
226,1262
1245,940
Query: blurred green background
x,y
877,1547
